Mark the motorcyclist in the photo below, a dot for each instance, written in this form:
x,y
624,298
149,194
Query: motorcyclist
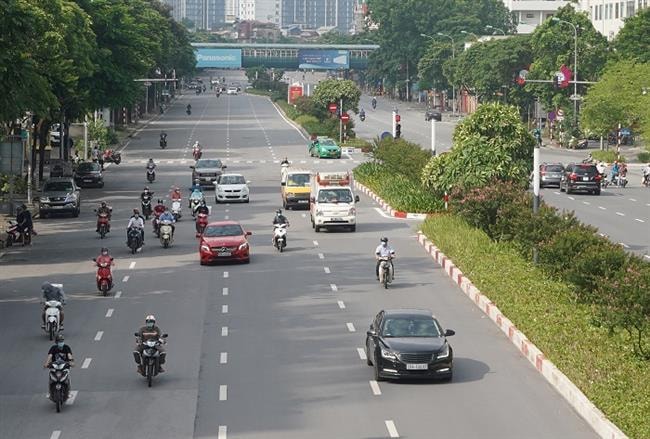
x,y
168,216
150,332
138,222
159,208
104,209
285,161
163,138
196,150
176,194
613,173
645,180
196,194
146,194
362,113
151,164
203,208
104,257
24,220
279,219
196,185
51,292
374,102
61,351
189,108
384,250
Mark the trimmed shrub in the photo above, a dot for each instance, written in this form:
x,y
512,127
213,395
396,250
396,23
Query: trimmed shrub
x,y
402,157
305,119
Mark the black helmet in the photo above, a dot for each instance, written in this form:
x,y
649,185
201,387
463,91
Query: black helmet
x,y
59,337
103,203
384,239
104,250
146,188
278,212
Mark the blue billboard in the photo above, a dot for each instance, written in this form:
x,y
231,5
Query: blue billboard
x,y
323,59
218,58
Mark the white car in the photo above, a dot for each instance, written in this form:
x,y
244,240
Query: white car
x,y
232,91
231,187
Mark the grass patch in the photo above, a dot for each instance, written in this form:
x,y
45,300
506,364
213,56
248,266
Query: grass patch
x,y
601,364
644,156
258,92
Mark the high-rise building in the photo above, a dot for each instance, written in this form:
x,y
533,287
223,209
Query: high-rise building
x,y
232,10
608,16
311,14
178,7
206,14
532,13
266,11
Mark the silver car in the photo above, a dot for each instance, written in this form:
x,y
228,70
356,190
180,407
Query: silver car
x,y
207,171
59,195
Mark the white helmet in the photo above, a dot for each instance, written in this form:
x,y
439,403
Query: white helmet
x,y
150,318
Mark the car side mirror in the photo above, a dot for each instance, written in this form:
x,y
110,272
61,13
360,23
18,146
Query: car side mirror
x,y
249,233
191,166
248,182
112,259
356,199
371,333
449,332
224,167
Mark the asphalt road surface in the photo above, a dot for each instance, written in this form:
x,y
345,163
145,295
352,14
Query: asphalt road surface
x,y
265,350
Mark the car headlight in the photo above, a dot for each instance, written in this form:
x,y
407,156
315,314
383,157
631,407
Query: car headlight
x,y
389,355
70,198
244,190
243,246
45,199
444,353
205,248
352,211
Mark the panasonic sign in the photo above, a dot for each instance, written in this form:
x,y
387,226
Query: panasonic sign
x,y
218,58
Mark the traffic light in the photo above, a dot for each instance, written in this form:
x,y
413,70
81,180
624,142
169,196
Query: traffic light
x,y
556,82
398,131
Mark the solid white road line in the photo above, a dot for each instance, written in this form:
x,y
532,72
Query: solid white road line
x,y
570,197
118,294
586,203
639,220
125,279
224,309
350,327
109,313
362,353
374,385
223,392
132,265
56,434
392,430
341,304
632,199
86,363
224,331
226,217
620,214
72,397
223,358
316,243
223,432
98,336
334,287
225,274
321,256
224,291
327,270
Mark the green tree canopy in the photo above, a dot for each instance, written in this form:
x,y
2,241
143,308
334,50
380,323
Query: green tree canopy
x,y
333,90
633,40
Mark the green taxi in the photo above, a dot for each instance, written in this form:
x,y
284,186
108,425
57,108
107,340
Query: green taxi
x,y
324,147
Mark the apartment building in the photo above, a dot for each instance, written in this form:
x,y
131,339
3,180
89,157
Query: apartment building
x,y
315,14
608,16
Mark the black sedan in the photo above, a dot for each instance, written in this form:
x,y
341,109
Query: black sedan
x,y
408,343
89,174
432,114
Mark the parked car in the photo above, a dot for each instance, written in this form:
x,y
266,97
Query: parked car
x,y
324,147
55,134
232,90
224,241
59,195
408,343
581,177
432,114
89,174
550,174
231,187
207,171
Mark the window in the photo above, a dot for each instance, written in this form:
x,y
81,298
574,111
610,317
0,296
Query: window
x,y
616,10
630,8
529,15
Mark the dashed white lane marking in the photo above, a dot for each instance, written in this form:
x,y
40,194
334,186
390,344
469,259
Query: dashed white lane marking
x,y
602,208
224,331
227,210
223,358
321,256
226,217
334,287
224,309
224,291
125,279
586,203
341,304
225,274
223,392
132,265
72,397
316,243
571,198
639,220
98,336
223,432
632,199
351,327
362,353
109,313
392,430
118,294
556,192
327,270
56,434
304,215
86,363
624,245
620,214
374,385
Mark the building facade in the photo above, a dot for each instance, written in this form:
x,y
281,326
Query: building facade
x,y
266,11
310,14
608,16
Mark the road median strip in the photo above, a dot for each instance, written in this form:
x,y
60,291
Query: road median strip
x,y
387,207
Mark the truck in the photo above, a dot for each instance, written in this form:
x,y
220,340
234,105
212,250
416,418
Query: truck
x,y
332,201
295,187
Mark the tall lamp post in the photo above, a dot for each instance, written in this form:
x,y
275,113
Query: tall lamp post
x,y
495,29
575,67
464,32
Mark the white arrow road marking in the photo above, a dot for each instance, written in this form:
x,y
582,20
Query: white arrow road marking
x,y
586,203
86,363
632,199
225,274
224,331
98,336
321,256
639,220
56,434
334,287
132,265
620,214
362,353
109,313
602,208
327,270
223,358
392,430
223,392
374,385
125,279
223,432
316,243
350,327
224,291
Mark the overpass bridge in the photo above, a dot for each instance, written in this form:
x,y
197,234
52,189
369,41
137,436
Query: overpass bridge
x,y
283,56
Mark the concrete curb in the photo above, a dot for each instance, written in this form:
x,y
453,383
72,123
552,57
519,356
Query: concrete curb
x,y
387,207
569,391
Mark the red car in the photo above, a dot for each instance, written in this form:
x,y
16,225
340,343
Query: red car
x,y
224,241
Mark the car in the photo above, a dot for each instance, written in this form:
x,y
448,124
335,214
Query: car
x,y
89,174
59,195
409,343
324,147
231,187
55,134
224,241
232,90
581,177
550,174
207,171
432,114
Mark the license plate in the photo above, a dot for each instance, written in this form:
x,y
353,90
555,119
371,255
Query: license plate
x,y
303,201
418,366
87,180
224,254
585,178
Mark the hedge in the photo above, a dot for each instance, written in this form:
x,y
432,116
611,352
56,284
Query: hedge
x,y
601,363
607,156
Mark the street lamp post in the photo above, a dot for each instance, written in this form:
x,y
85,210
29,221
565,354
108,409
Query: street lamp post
x,y
453,56
575,67
464,32
495,29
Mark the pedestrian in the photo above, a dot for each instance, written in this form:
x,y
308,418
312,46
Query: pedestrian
x,y
94,154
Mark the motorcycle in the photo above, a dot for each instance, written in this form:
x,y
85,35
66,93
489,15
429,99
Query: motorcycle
x,y
151,358
52,318
280,236
135,239
177,209
163,142
155,223
201,223
188,111
385,271
104,225
583,144
14,235
197,153
59,385
362,117
165,233
194,204
151,175
146,206
111,156
104,276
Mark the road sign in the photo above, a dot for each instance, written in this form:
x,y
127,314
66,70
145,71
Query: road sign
x,y
398,118
559,115
385,134
345,117
332,107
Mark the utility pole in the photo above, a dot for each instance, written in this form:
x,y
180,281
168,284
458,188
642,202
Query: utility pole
x,y
433,136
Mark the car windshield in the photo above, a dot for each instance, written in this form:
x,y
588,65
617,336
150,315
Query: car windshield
x,y
335,196
58,186
88,167
298,180
208,164
585,170
327,142
232,179
554,168
227,230
410,327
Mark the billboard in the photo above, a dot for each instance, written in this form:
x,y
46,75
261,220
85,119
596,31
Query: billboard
x,y
323,59
218,58
295,91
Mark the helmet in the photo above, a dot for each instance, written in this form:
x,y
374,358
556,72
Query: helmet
x,y
384,239
46,286
161,201
176,189
146,188
150,318
203,203
136,212
104,251
150,159
103,203
59,337
278,212
197,181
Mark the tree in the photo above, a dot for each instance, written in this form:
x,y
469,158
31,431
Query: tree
x,y
332,90
618,99
633,40
490,144
430,66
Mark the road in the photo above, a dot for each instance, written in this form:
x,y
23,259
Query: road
x,y
265,350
